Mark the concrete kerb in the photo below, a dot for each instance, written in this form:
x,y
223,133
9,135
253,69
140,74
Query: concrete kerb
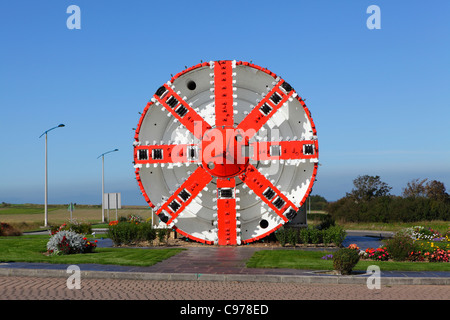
x,y
306,279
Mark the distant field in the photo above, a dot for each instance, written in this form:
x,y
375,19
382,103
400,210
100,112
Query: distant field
x,y
31,217
33,214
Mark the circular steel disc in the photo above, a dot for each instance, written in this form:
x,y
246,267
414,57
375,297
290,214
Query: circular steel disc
x,y
226,152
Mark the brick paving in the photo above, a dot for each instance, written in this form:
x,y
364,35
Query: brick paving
x,y
41,288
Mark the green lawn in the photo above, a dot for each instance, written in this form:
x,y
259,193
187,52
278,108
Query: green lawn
x,y
31,248
312,260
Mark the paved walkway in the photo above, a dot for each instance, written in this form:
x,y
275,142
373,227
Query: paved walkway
x,y
43,288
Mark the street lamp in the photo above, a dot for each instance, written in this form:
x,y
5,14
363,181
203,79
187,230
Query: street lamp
x,y
103,181
46,174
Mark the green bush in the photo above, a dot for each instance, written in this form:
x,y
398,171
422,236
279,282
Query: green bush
x,y
122,233
80,227
146,232
163,235
73,225
400,247
282,237
326,221
292,235
336,234
315,235
327,237
345,259
127,233
8,230
304,236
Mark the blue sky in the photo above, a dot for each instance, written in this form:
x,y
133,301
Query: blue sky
x,y
380,98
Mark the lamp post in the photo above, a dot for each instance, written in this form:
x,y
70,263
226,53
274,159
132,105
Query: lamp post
x,y
103,181
46,174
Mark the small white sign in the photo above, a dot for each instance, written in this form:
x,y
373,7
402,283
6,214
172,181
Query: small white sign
x,y
112,201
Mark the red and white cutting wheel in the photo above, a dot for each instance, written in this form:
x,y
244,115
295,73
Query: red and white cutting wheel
x,y
226,152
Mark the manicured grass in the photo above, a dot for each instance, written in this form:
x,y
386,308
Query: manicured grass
x,y
312,260
31,248
291,259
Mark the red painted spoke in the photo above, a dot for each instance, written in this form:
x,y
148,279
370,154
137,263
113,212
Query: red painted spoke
x,y
285,150
223,93
172,153
182,111
170,210
226,211
265,109
262,187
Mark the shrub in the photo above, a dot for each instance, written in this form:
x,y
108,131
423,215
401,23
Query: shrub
x,y
345,259
336,234
282,237
73,225
163,235
292,235
80,227
326,221
327,237
315,235
69,242
146,232
8,230
400,247
124,233
304,235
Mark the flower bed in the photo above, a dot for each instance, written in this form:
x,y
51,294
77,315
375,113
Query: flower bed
x,y
418,244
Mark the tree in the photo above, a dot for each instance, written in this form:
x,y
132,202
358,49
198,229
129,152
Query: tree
x,y
317,202
415,188
435,190
369,187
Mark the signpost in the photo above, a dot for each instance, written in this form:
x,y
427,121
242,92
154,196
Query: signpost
x,y
70,209
112,201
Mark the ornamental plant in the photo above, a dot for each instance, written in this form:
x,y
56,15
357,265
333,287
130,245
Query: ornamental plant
x,y
400,246
72,225
422,233
125,233
282,236
89,246
438,255
8,230
134,218
69,242
378,254
292,235
337,234
345,259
